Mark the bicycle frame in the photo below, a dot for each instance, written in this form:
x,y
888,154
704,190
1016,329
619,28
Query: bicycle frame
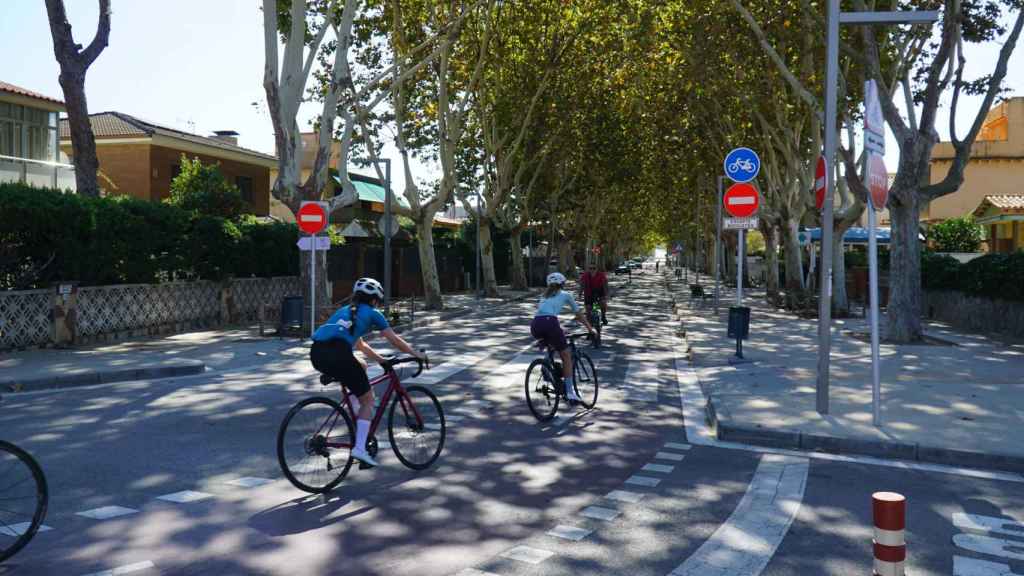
x,y
394,387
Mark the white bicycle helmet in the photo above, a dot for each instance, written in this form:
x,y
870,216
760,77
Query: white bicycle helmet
x,y
369,286
556,278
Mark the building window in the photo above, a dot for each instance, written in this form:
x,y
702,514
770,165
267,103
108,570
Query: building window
x,y
244,184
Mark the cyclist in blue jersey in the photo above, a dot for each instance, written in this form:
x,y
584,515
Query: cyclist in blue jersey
x,y
335,342
545,326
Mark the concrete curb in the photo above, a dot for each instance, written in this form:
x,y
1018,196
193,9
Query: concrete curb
x,y
727,431
184,368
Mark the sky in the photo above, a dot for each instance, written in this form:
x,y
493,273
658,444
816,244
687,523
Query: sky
x,y
197,65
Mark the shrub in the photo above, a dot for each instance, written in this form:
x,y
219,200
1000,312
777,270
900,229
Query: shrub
x,y
202,189
939,272
956,235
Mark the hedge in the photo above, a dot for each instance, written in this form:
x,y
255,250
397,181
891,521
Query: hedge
x,y
996,276
47,235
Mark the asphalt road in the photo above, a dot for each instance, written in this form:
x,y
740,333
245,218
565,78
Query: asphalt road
x,y
615,490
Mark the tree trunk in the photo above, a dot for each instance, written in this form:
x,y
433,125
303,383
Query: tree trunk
x,y
840,299
432,298
83,142
794,263
518,270
487,260
565,263
771,259
904,310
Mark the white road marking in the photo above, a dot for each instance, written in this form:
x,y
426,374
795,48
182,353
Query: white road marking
x,y
669,456
15,530
107,512
600,513
745,542
137,567
185,496
625,496
678,446
527,554
643,481
1012,550
249,482
662,468
988,524
569,532
963,566
699,433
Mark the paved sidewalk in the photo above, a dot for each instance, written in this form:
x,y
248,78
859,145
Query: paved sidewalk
x,y
959,403
191,353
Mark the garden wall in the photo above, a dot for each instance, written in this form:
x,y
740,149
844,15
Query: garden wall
x,y
975,313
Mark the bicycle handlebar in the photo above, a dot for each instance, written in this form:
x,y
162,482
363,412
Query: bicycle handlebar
x,y
389,364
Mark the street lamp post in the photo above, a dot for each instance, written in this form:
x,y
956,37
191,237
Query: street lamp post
x,y
835,18
387,235
479,258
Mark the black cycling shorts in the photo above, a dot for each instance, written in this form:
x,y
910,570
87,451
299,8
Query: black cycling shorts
x,y
335,358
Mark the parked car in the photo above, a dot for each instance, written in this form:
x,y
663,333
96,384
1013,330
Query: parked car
x,y
621,269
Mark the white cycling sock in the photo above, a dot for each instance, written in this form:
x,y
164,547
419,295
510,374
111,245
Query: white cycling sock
x,y
362,432
570,390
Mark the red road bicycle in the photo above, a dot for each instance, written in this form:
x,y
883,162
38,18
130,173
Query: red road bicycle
x,y
314,444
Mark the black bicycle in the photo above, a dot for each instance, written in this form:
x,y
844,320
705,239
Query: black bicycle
x,y
545,387
594,315
23,498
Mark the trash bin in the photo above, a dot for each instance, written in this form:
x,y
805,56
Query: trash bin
x,y
291,313
739,322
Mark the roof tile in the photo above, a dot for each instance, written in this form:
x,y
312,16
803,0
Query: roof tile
x,y
12,89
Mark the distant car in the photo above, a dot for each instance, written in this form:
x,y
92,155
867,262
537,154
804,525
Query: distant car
x,y
621,269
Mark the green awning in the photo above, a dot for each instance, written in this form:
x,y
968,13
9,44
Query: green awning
x,y
370,192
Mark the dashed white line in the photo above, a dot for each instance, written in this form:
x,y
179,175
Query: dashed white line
x,y
678,446
643,481
15,530
107,512
569,532
185,496
527,554
745,542
600,513
660,468
669,456
625,496
249,482
137,567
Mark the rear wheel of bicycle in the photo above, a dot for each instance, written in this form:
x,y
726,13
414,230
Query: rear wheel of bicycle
x,y
595,321
585,380
314,445
416,427
23,499
541,394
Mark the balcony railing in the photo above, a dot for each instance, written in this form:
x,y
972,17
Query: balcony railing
x,y
37,172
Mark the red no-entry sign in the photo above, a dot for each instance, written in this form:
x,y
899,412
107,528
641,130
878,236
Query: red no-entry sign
x,y
819,183
878,181
312,217
742,200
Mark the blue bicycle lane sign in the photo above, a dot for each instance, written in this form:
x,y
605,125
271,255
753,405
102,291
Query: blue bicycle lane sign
x,y
742,165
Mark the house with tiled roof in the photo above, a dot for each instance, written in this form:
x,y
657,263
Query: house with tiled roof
x,y
994,177
140,158
28,139
1003,211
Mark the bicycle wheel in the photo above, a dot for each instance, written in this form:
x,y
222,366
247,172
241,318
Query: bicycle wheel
x,y
416,427
23,499
314,445
541,394
585,379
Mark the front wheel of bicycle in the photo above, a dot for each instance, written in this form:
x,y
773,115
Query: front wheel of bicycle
x,y
585,380
541,394
416,427
314,445
23,499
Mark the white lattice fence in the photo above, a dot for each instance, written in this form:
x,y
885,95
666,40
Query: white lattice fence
x,y
108,309
248,293
25,318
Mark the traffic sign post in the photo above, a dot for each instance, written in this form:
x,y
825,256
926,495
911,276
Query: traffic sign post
x,y
878,187
312,218
741,201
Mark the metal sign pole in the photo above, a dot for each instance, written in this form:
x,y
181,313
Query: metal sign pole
x,y
876,387
739,269
312,285
825,297
387,236
718,236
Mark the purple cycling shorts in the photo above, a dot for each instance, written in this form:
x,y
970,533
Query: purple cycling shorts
x,y
548,329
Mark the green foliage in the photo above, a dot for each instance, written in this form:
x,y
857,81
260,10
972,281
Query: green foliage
x,y
755,243
48,236
202,189
956,235
997,276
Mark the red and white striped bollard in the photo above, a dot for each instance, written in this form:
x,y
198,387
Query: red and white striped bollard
x,y
890,512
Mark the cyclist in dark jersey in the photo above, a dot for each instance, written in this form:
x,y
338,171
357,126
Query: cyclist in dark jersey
x,y
594,286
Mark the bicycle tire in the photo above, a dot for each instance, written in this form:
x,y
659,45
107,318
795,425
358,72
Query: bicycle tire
x,y
313,447
541,395
412,433
595,321
20,460
585,378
